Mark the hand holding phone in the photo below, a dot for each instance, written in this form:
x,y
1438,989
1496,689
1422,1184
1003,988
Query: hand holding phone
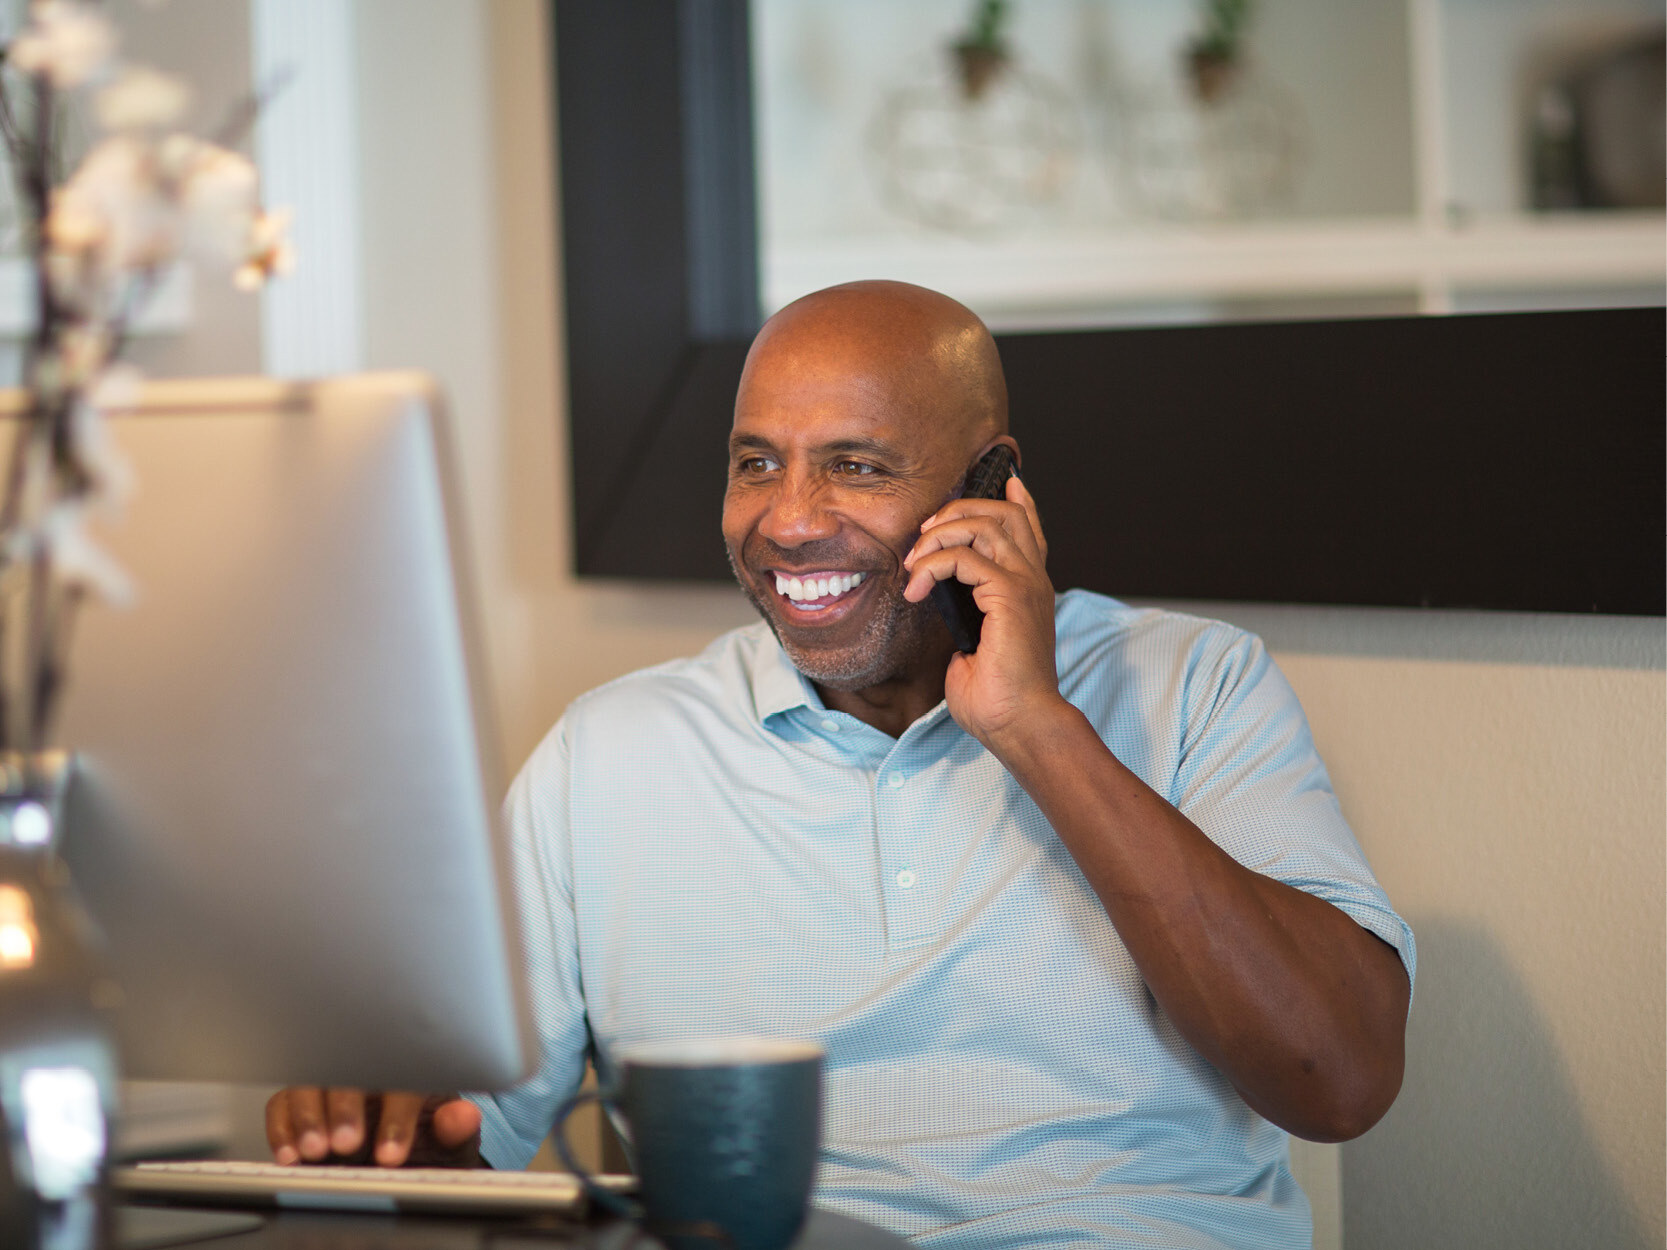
x,y
985,480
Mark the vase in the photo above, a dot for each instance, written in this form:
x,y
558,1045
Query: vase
x,y
58,1069
978,145
1223,140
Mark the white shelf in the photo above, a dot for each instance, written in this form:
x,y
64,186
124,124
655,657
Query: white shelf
x,y
1413,189
1270,260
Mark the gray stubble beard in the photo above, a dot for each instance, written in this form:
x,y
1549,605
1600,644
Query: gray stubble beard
x,y
898,633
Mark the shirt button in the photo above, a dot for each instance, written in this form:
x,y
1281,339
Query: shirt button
x,y
895,781
905,880
832,726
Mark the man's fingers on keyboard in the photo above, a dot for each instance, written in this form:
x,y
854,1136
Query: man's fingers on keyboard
x,y
397,1128
306,1119
279,1136
456,1122
345,1112
285,1124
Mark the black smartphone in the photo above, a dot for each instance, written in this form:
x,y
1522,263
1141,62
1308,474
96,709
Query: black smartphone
x,y
985,480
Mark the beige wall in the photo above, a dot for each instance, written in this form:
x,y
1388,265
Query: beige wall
x,y
1515,812
462,279
1504,772
207,42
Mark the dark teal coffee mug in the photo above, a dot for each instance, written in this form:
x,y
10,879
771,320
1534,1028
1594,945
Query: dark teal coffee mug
x,y
724,1132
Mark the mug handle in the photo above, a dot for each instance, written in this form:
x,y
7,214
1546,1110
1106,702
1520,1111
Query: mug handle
x,y
614,1204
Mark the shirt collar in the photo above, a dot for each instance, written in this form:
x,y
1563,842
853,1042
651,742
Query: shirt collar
x,y
778,687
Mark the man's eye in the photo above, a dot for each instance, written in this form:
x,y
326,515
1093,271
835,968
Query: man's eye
x,y
854,468
752,465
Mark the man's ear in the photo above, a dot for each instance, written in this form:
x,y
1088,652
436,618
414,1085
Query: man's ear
x,y
1001,440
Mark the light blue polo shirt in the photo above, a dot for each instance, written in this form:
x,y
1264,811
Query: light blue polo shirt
x,y
703,848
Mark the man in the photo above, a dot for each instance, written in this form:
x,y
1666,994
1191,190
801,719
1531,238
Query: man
x,y
1076,914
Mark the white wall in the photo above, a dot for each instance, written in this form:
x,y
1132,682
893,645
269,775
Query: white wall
x,y
1505,773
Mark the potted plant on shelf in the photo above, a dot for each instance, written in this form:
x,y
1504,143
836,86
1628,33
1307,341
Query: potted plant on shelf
x,y
981,53
1212,55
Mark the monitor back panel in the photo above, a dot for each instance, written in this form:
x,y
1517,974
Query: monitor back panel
x,y
281,816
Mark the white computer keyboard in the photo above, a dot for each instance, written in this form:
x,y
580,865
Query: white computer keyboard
x,y
459,1190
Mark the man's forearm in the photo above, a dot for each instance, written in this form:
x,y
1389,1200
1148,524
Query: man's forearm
x,y
1301,1008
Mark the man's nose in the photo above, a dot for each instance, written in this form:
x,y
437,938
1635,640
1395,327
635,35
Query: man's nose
x,y
798,512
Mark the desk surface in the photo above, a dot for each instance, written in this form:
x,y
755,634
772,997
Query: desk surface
x,y
298,1230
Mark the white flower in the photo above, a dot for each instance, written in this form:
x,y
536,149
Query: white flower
x,y
74,224
82,350
118,387
174,154
219,193
66,41
79,561
115,209
142,99
74,279
109,473
270,251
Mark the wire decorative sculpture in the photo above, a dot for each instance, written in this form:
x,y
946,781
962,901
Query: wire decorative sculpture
x,y
1178,152
971,160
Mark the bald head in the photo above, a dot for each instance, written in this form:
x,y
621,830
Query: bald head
x,y
860,411
932,354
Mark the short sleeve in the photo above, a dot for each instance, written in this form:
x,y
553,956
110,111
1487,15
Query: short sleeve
x,y
1249,776
515,1122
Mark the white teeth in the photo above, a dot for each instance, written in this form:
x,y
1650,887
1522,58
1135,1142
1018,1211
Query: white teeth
x,y
811,588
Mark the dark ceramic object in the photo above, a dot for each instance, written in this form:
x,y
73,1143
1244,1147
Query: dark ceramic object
x,y
725,1136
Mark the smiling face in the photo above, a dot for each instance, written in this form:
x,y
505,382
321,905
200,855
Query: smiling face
x,y
859,411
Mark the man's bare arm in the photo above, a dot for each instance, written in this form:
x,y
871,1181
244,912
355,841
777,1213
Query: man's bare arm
x,y
1297,1004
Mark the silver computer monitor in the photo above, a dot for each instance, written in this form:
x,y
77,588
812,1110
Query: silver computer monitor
x,y
283,815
